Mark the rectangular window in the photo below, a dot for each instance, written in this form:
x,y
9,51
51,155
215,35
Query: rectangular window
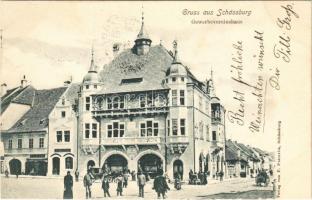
x,y
10,144
174,127
142,101
182,79
109,130
207,132
168,127
182,98
214,136
182,126
41,142
59,136
67,136
109,103
116,130
174,79
95,86
143,129
87,86
87,103
155,129
63,114
31,143
174,97
87,130
94,130
149,128
19,143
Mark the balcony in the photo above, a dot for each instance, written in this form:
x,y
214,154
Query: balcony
x,y
25,151
131,141
130,111
177,144
177,140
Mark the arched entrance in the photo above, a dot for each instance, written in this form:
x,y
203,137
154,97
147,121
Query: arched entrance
x,y
15,166
56,166
178,168
207,163
90,164
150,164
115,163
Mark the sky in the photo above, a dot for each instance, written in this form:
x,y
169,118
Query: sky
x,y
50,42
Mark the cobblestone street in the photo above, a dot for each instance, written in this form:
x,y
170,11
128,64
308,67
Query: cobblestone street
x,y
35,188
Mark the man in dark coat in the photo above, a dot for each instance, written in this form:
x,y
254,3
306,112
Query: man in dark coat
x,y
160,185
87,182
68,186
105,186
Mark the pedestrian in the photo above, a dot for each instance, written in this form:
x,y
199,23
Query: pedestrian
x,y
68,186
133,175
205,178
105,186
119,185
87,182
125,179
160,185
77,175
6,173
221,175
141,183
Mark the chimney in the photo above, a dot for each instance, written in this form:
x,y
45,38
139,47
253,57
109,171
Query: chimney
x,y
66,83
3,89
24,82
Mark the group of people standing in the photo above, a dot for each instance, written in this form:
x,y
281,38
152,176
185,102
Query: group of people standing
x,y
159,185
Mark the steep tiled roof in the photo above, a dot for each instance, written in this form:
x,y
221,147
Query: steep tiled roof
x,y
234,147
17,95
72,92
151,67
36,119
230,154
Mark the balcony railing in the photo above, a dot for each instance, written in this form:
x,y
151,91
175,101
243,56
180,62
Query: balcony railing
x,y
26,151
130,111
178,140
131,141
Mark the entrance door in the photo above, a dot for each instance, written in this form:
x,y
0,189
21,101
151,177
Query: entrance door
x,y
150,164
178,168
56,166
15,166
115,164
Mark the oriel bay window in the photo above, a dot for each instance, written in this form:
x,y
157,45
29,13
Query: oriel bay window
x,y
116,129
149,128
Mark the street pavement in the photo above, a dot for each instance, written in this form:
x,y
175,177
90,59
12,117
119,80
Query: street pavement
x,y
52,188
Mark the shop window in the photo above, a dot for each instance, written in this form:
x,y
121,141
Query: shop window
x,y
67,136
182,126
69,163
59,136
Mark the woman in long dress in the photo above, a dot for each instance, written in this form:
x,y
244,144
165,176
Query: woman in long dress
x,y
68,186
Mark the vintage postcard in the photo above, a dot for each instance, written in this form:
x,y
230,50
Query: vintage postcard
x,y
146,99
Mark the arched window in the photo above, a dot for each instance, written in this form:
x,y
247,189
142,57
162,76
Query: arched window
x,y
69,163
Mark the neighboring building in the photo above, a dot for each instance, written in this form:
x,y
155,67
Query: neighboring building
x,y
147,111
62,149
25,128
